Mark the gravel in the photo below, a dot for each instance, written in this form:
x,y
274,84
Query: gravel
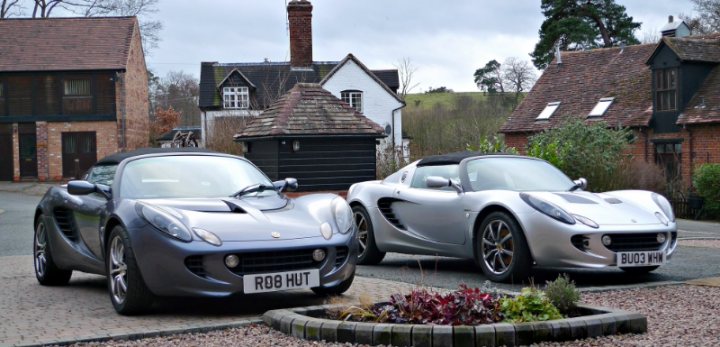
x,y
678,315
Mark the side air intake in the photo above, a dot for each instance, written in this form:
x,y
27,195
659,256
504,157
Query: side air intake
x,y
385,206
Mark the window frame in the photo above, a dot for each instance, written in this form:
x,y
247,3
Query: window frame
x,y
548,111
82,82
601,107
665,89
354,98
236,97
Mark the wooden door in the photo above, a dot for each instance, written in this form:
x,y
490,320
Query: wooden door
x,y
6,153
78,153
28,150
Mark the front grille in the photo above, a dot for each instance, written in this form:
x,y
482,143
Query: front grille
x,y
341,254
275,261
194,263
580,242
385,206
66,222
634,242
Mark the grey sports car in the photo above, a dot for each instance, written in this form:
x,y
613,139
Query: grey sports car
x,y
509,213
191,223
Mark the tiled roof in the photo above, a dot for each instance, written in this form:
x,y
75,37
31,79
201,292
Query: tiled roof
x,y
583,78
271,79
704,107
695,48
309,110
58,44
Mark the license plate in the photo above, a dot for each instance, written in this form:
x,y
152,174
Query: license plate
x,y
644,258
272,282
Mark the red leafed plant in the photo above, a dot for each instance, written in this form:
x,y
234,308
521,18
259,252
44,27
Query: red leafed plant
x,y
465,306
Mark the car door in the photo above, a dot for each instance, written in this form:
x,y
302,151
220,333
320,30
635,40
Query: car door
x,y
91,214
436,215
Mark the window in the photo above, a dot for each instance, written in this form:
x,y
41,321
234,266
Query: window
x,y
665,89
352,98
601,107
77,87
102,174
236,97
548,110
2,90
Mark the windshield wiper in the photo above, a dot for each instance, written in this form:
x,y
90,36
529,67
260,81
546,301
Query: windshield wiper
x,y
258,187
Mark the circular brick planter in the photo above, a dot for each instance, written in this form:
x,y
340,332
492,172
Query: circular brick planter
x,y
301,322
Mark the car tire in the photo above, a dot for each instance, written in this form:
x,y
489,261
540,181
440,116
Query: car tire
x,y
639,270
501,249
338,289
46,271
128,292
368,253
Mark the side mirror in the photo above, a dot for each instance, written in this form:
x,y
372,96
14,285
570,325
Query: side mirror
x,y
581,183
79,187
442,182
289,184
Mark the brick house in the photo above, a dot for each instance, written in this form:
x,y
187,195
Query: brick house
x,y
72,90
246,89
668,94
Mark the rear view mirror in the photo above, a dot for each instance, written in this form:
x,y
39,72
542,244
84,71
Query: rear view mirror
x,y
79,187
290,184
437,182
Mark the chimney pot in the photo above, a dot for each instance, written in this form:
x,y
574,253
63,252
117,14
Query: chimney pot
x,y
670,19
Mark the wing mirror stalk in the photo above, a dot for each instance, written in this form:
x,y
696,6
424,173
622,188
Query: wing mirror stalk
x,y
442,182
290,184
580,183
80,187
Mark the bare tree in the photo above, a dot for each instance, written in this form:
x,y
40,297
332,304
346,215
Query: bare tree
x,y
518,75
43,8
9,8
708,19
177,90
406,72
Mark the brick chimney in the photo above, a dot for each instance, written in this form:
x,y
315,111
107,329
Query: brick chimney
x,y
300,18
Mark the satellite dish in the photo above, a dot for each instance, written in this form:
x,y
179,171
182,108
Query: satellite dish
x,y
388,129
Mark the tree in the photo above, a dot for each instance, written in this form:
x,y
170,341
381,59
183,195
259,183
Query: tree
x,y
165,120
9,8
708,19
406,72
443,89
518,75
177,90
582,24
489,78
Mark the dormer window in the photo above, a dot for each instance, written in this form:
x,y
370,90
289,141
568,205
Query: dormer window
x,y
352,98
665,89
601,107
548,110
236,97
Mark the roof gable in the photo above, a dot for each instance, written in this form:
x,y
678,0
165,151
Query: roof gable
x,y
309,110
235,72
364,68
62,44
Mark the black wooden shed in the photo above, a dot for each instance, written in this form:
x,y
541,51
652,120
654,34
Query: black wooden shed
x,y
315,137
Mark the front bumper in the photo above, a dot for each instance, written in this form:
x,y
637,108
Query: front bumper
x,y
555,244
174,268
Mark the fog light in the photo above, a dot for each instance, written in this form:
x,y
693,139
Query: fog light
x,y
606,240
326,231
232,261
318,255
661,238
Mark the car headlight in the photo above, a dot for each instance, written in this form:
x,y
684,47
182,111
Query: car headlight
x,y
548,209
343,215
664,205
165,222
208,237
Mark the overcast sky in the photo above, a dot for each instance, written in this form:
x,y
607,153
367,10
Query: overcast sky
x,y
445,40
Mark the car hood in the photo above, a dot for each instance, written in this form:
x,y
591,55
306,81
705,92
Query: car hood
x,y
626,208
253,218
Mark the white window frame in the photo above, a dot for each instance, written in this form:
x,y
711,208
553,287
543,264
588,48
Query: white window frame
x,y
236,98
601,107
354,98
548,111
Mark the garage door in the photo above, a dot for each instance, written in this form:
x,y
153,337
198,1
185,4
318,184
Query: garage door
x,y
78,153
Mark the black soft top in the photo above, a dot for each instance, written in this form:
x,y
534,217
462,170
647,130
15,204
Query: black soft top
x,y
448,159
116,158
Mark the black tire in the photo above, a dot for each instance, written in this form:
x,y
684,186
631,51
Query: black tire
x,y
368,253
46,271
639,270
508,258
123,271
338,289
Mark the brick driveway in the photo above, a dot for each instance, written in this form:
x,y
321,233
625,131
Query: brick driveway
x,y
32,314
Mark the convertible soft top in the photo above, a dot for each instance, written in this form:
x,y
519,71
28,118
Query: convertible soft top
x,y
447,159
116,158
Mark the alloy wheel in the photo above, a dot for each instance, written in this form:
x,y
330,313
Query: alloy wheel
x,y
497,247
362,227
41,250
118,270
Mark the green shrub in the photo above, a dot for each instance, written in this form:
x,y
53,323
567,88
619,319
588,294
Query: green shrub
x,y
706,180
593,151
494,145
563,293
531,305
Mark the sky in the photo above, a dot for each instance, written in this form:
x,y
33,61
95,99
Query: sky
x,y
446,41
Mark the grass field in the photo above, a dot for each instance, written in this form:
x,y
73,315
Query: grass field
x,y
448,100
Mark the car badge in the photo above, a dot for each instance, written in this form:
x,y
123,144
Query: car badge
x,y
275,235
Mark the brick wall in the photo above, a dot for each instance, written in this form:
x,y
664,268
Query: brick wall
x,y
41,133
16,153
517,140
106,140
132,99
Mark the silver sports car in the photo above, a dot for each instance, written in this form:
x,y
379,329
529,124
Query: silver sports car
x,y
191,223
509,213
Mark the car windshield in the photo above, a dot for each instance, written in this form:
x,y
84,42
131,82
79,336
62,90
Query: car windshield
x,y
518,174
190,176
